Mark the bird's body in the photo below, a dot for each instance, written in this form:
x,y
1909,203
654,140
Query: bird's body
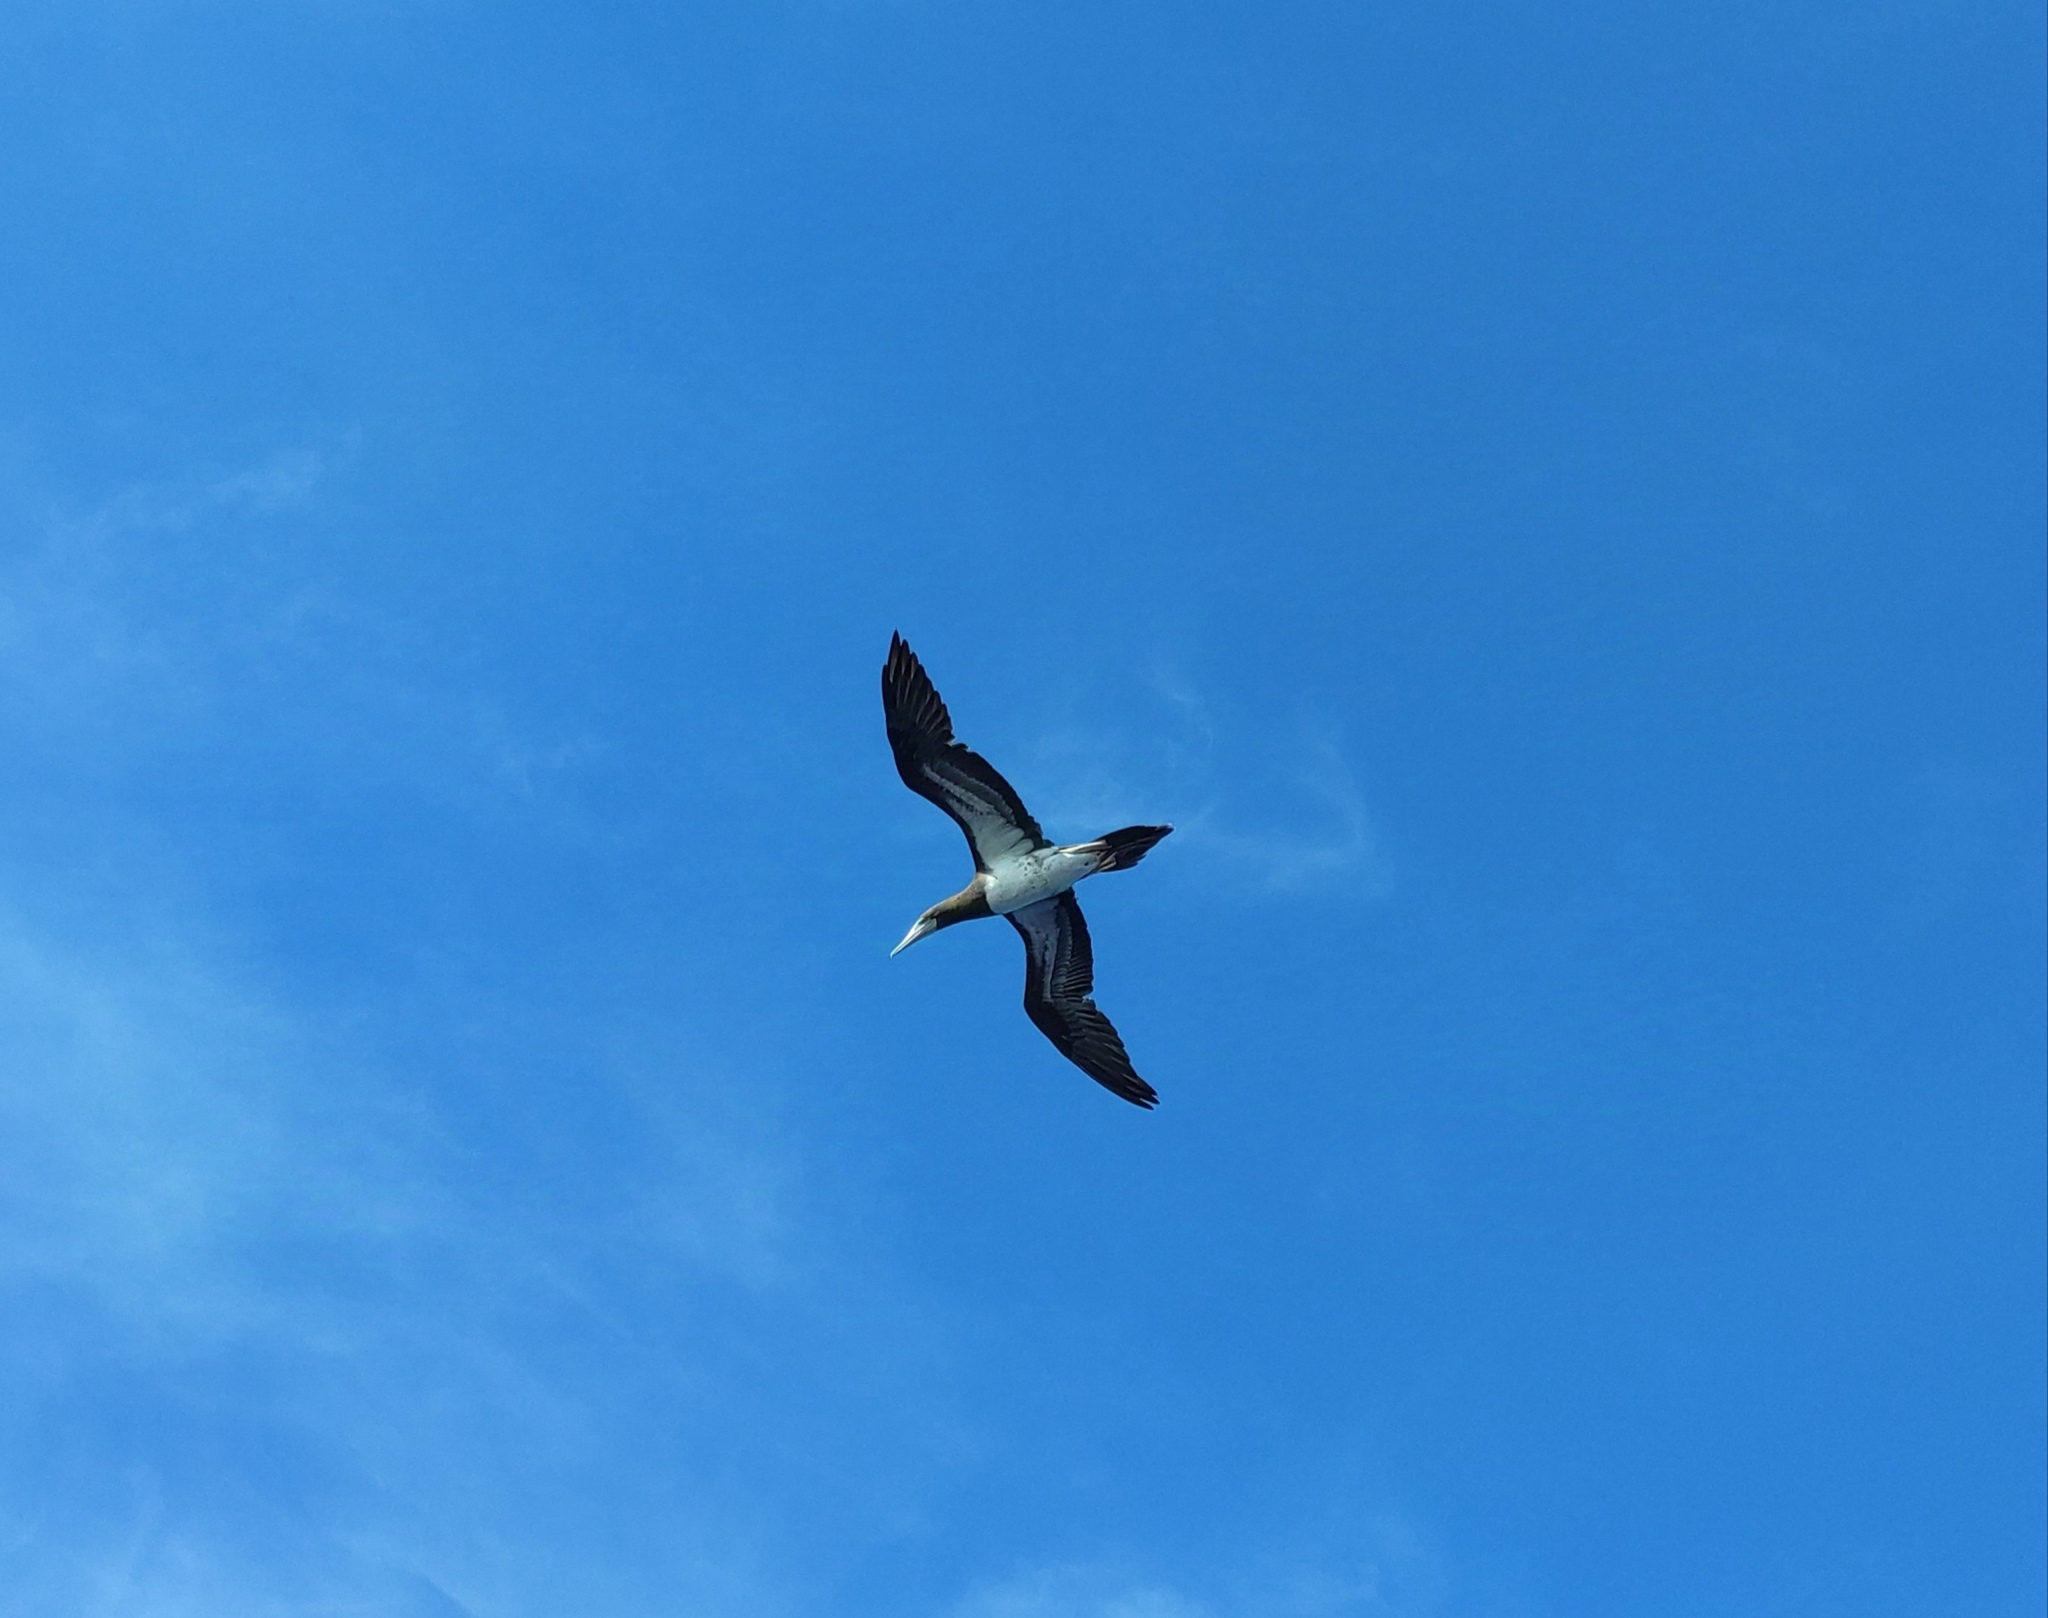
x,y
1018,873
1045,873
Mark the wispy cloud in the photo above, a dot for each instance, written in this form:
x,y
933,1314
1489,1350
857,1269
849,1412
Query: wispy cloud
x,y
144,1113
1327,843
1077,1592
86,611
198,1184
1274,811
1398,1576
165,613
285,479
302,1292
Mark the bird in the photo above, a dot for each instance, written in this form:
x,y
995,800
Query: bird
x,y
1019,874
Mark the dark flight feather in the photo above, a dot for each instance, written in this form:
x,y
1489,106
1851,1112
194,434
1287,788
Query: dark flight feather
x,y
959,780
1059,982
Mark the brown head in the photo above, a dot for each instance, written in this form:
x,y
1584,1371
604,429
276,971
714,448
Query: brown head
x,y
968,904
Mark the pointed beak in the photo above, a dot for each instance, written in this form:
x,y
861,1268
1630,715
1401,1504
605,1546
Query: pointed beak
x,y
924,928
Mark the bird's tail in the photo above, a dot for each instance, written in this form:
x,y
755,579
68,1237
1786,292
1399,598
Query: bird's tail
x,y
1123,849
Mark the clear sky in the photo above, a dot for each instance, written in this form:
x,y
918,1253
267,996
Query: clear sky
x,y
1546,498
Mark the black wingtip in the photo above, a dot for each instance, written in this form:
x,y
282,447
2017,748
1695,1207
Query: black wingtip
x,y
911,704
901,669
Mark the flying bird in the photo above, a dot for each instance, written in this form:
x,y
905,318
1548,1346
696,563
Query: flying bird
x,y
1018,873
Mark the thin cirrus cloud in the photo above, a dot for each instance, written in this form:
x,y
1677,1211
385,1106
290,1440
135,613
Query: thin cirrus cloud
x,y
91,613
1321,838
1401,1577
316,1226
178,614
205,1191
145,1119
1272,812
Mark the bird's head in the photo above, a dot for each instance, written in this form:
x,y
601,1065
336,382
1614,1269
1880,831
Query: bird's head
x,y
970,902
923,927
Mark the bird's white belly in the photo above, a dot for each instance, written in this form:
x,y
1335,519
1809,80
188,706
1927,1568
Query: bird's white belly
x,y
1028,878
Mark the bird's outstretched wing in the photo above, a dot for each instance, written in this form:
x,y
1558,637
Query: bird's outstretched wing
x,y
957,779
1059,978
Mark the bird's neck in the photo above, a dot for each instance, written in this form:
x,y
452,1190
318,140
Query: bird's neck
x,y
969,904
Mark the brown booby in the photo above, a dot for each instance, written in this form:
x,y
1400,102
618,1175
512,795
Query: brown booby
x,y
1018,873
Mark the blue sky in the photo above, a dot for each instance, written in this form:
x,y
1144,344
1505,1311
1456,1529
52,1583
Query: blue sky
x,y
1547,499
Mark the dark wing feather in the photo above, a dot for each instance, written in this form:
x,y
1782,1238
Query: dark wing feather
x,y
1059,979
957,779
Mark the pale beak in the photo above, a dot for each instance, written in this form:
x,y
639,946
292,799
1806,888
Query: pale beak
x,y
924,928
